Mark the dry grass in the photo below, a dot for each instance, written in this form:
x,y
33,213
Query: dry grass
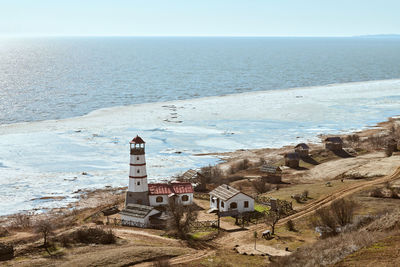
x,y
332,250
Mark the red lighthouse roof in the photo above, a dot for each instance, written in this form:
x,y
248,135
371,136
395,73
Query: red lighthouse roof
x,y
137,140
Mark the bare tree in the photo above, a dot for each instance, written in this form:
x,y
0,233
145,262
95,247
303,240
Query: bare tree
x,y
343,211
326,220
44,228
272,218
180,217
261,186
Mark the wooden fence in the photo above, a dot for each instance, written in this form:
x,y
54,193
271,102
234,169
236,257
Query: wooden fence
x,y
204,196
204,224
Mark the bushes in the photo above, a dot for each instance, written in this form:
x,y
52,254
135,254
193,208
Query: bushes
x,y
3,232
94,236
290,226
6,252
340,213
261,186
88,236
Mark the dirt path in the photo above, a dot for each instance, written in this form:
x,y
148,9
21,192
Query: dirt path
x,y
184,259
327,200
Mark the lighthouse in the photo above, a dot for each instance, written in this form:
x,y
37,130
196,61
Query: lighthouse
x,y
138,189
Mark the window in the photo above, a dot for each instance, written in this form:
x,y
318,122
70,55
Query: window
x,y
138,171
233,205
246,204
212,200
185,198
137,158
138,183
159,199
222,204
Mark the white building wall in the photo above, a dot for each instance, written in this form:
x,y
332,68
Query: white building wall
x,y
190,200
154,203
239,199
145,221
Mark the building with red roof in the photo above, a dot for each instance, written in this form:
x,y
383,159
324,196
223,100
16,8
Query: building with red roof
x,y
141,197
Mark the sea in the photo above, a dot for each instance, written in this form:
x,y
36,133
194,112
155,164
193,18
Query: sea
x,y
70,105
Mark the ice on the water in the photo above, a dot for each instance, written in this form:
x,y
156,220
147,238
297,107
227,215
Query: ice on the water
x,y
47,158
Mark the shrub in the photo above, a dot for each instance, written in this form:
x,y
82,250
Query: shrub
x,y
22,221
305,194
297,197
290,226
6,252
261,186
93,236
377,192
343,211
3,232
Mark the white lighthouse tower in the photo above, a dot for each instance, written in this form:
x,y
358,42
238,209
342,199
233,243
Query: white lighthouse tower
x,y
138,190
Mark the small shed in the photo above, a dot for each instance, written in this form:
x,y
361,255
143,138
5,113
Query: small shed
x,y
292,159
273,174
334,143
226,198
302,149
137,215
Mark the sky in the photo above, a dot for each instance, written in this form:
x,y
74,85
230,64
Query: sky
x,y
199,17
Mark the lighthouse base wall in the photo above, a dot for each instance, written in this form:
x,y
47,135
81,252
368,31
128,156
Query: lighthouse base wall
x,y
141,198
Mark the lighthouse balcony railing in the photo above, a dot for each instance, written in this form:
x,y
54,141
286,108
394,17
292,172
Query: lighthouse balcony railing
x,y
137,151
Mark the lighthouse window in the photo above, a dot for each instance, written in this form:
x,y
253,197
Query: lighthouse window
x,y
185,198
137,158
138,183
159,199
138,171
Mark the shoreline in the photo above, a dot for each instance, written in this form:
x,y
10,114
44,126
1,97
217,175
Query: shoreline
x,y
47,158
105,197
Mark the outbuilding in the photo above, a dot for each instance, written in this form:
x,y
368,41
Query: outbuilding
x,y
273,174
226,198
292,160
137,215
334,143
302,149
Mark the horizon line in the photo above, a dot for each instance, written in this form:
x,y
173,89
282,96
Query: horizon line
x,y
205,35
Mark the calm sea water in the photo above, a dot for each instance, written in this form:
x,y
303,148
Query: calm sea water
x,y
52,78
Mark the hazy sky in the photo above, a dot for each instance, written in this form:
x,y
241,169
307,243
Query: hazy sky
x,y
201,17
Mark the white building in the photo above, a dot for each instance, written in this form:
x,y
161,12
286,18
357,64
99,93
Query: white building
x,y
160,194
141,197
226,198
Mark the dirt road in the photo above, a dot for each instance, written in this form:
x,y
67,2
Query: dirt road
x,y
231,239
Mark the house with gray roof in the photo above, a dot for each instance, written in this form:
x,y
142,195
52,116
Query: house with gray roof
x,y
137,215
227,198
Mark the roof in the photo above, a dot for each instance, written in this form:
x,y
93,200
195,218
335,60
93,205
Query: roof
x,y
137,140
136,210
270,168
225,192
302,146
292,155
172,188
335,139
190,174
